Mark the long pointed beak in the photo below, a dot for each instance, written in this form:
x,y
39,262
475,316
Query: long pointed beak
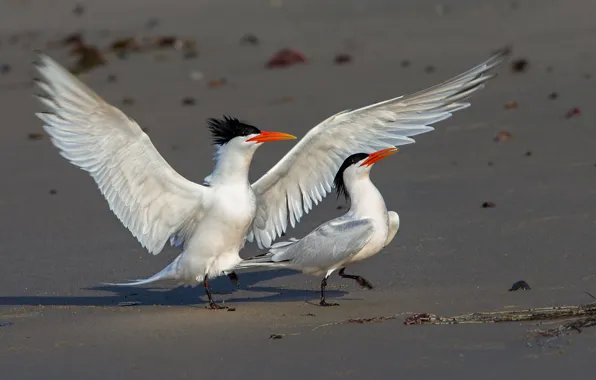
x,y
379,155
271,136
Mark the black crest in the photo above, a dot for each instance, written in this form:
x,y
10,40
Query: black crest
x,y
223,130
340,186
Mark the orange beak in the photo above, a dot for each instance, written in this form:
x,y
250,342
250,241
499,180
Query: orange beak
x,y
270,136
379,155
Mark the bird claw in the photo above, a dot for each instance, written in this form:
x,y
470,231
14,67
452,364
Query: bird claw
x,y
214,306
323,303
234,278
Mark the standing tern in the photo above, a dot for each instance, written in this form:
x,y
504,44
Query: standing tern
x,y
157,204
360,233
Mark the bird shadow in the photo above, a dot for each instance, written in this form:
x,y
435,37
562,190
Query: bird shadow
x,y
181,295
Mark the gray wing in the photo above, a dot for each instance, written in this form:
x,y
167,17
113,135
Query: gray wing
x,y
329,244
393,220
304,176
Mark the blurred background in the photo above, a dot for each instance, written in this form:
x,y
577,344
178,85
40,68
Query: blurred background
x,y
500,192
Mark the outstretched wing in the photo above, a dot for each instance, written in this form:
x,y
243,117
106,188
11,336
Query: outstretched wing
x,y
305,175
149,197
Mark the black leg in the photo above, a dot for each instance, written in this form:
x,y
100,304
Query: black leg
x,y
323,286
360,280
212,303
234,278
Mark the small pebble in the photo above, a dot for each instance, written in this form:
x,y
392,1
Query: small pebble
x,y
188,101
249,39
5,68
78,10
520,285
342,58
502,136
519,65
489,205
53,191
152,23
510,105
573,112
217,82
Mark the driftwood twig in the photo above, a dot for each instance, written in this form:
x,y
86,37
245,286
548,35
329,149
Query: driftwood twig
x,y
536,314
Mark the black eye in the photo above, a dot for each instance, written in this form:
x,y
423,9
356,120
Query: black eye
x,y
223,130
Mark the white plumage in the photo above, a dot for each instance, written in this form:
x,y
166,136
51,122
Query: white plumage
x,y
157,204
305,174
360,233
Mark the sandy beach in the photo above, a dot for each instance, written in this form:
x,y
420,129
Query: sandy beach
x,y
451,256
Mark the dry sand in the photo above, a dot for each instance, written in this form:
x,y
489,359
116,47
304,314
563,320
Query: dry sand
x,y
451,256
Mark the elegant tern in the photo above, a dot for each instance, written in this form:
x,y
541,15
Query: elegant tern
x,y
157,204
360,233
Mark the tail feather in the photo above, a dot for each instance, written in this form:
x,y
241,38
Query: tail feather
x,y
168,273
268,260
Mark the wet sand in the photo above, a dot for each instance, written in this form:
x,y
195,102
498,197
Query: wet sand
x,y
450,257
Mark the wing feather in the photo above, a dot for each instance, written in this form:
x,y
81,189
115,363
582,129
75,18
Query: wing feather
x,y
327,245
149,197
304,175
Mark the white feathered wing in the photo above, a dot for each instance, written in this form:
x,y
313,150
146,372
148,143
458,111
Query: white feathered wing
x,y
149,197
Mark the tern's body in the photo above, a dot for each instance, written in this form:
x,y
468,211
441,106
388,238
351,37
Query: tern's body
x,y
360,233
212,221
213,247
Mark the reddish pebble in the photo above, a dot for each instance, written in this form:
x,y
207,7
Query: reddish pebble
x,y
285,58
573,112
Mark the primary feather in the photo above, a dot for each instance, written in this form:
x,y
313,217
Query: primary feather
x,y
305,174
149,197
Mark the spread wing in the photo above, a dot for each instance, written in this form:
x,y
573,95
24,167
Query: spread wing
x,y
305,174
149,197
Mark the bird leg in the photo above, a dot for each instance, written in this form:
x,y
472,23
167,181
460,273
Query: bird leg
x,y
212,303
360,280
323,286
234,278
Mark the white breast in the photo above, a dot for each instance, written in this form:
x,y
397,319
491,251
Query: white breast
x,y
214,246
376,242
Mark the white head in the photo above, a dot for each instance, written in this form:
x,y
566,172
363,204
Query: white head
x,y
357,167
